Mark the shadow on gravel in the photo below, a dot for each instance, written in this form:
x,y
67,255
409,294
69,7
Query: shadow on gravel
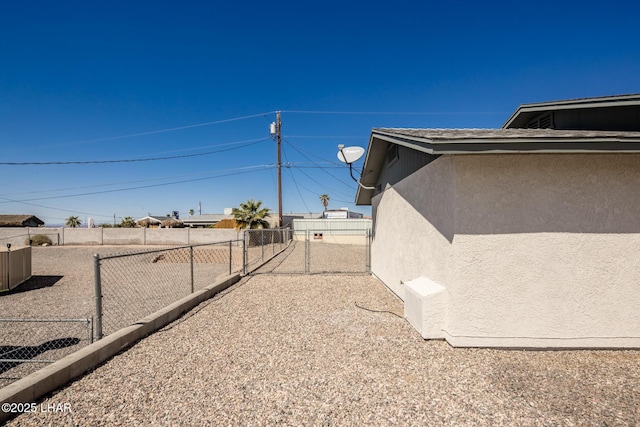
x,y
9,353
271,266
35,282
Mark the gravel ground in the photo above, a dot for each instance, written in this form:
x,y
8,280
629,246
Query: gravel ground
x,y
335,350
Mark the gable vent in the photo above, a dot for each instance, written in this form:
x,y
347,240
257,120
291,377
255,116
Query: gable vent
x,y
545,122
541,122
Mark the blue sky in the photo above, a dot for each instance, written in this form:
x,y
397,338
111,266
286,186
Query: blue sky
x,y
199,82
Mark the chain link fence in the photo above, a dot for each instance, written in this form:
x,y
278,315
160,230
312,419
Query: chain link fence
x,y
30,344
128,287
131,286
320,251
338,251
262,244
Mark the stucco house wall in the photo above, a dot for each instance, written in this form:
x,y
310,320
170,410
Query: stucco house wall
x,y
413,227
534,250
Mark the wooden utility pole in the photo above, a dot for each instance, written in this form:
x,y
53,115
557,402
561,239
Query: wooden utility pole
x,y
278,136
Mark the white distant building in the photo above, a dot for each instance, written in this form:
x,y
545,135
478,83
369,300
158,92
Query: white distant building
x,y
342,213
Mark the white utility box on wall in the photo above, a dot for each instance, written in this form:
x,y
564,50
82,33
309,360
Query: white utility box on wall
x,y
425,307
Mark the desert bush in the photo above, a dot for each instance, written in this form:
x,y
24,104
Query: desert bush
x,y
38,240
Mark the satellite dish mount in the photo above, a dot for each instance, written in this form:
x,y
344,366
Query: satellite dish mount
x,y
349,155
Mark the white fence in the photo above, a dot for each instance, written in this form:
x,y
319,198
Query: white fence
x,y
118,236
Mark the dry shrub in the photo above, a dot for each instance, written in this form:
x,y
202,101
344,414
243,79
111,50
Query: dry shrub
x,y
38,240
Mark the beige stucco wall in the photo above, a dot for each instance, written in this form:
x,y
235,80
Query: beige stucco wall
x,y
544,250
413,227
83,236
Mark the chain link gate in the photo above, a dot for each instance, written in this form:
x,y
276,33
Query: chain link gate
x,y
324,251
337,251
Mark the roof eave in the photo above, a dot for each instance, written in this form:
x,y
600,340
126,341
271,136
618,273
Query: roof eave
x,y
364,195
547,145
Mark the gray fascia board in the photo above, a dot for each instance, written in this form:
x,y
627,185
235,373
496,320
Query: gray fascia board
x,y
494,146
537,146
362,192
509,145
414,142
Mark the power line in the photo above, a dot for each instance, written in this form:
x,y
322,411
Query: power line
x,y
399,113
300,150
138,180
154,132
326,136
300,165
323,169
320,184
298,185
149,159
295,183
334,199
56,209
132,188
288,164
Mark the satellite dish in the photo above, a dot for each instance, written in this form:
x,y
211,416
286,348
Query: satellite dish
x,y
349,154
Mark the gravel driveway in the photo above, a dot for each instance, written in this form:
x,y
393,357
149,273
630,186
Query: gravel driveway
x,y
335,350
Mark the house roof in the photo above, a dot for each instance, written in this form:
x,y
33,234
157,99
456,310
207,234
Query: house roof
x,y
152,219
461,141
526,112
476,141
206,219
18,220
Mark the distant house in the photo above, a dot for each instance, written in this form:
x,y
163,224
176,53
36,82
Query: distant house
x,y
172,223
226,220
226,223
205,220
524,236
150,221
20,221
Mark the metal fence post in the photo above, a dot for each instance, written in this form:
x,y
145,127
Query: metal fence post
x,y
191,262
368,243
90,329
230,255
244,252
262,243
98,292
307,249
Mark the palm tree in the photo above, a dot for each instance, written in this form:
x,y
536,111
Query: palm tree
x,y
127,222
324,199
73,221
250,216
191,212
